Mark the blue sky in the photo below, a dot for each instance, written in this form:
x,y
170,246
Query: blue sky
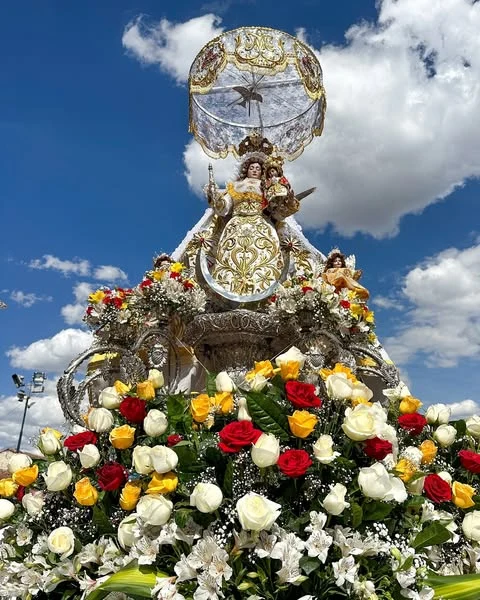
x,y
98,171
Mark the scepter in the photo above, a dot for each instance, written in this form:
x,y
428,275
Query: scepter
x,y
212,186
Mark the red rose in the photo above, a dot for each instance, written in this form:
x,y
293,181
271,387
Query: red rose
x,y
413,423
294,463
436,489
173,439
238,435
188,285
174,275
111,476
470,460
146,283
78,441
117,302
133,409
302,395
344,303
377,448
307,288
20,493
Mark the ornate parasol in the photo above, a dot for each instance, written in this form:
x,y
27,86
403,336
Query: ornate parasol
x,y
256,79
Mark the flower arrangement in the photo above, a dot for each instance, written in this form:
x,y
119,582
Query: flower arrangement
x,y
109,308
309,294
277,489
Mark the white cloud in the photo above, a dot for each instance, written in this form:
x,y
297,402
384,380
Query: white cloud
x,y
386,302
403,117
443,323
73,313
28,299
51,354
44,411
109,273
77,266
172,46
464,408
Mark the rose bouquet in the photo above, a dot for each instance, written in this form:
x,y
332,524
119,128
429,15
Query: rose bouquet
x,y
109,309
277,489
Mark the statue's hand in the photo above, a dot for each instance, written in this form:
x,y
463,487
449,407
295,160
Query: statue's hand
x,y
222,204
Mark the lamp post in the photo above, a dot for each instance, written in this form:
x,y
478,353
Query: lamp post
x,y
36,386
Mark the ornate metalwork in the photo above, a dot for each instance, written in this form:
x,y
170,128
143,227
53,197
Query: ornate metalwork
x,y
260,47
205,68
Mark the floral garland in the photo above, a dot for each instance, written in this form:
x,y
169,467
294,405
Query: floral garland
x,y
273,490
350,315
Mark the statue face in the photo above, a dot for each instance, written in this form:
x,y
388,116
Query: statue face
x,y
254,170
338,262
272,172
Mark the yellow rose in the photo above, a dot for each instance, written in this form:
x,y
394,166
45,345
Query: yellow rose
x,y
302,423
162,483
224,402
130,494
360,400
122,437
429,451
85,494
157,275
405,469
290,370
121,388
462,495
356,310
96,297
263,367
338,368
57,434
370,316
26,476
177,267
200,407
8,488
145,390
409,405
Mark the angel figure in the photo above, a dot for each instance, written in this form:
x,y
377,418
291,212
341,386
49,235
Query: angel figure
x,y
278,191
337,273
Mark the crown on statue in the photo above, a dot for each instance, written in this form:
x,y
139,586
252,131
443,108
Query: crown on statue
x,y
334,251
255,142
276,161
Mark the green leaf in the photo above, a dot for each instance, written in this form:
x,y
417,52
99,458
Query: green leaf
x,y
268,415
461,427
186,455
357,514
102,522
376,511
175,408
132,580
454,587
211,386
228,479
309,564
431,535
182,515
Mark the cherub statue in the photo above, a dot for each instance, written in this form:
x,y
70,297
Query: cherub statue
x,y
337,273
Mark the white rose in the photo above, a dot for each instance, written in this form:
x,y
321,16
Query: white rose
x,y
100,420
375,482
224,383
18,461
323,450
334,502
48,443
471,525
266,450
125,533
206,497
243,414
255,512
58,476
398,392
473,426
7,509
364,422
438,413
142,460
413,454
155,423
338,386
110,398
156,377
61,541
164,459
257,383
154,509
360,390
292,355
416,486
445,435
446,477
33,503
89,456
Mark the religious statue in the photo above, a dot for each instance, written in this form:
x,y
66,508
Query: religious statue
x,y
248,257
337,273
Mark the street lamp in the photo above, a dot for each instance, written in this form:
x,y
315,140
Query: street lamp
x,y
34,387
